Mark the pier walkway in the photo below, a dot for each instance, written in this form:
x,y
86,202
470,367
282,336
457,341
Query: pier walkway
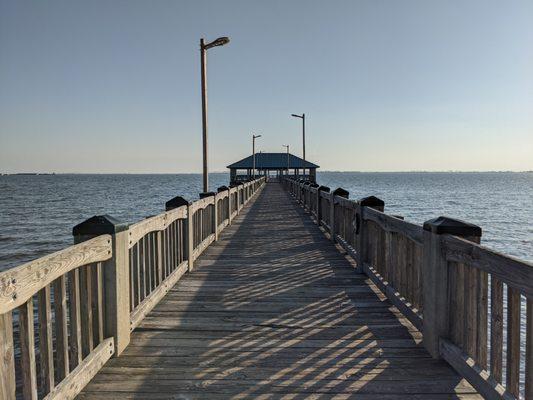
x,y
274,309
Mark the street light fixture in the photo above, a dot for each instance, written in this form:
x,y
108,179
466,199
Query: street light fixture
x,y
221,41
253,151
287,146
302,117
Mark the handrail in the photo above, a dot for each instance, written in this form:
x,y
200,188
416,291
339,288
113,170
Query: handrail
x,y
449,302
19,284
70,282
99,289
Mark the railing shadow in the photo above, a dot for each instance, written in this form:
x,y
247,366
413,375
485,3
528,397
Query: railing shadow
x,y
273,310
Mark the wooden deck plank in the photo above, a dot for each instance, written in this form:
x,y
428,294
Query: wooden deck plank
x,y
274,309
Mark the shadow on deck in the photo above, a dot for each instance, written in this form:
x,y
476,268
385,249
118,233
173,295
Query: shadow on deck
x,y
275,310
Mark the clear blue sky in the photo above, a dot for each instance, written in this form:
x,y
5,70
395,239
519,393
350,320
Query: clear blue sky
x,y
113,86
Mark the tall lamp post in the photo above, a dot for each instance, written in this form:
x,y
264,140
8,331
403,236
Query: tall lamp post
x,y
287,146
302,117
221,41
253,151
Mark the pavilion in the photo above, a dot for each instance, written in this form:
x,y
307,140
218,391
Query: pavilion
x,y
272,165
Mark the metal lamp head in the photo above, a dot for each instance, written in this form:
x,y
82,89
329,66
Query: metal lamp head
x,y
221,41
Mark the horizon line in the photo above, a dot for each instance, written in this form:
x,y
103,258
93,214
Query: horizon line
x,y
227,172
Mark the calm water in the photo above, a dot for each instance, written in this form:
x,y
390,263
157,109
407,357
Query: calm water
x,y
38,212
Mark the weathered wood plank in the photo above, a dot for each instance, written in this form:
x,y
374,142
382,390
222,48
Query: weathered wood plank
x,y
61,327
18,284
496,328
46,349
155,297
392,224
273,305
529,350
7,358
83,373
86,310
516,273
27,350
513,342
479,378
75,349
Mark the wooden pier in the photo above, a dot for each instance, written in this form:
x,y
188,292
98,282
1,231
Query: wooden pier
x,y
268,290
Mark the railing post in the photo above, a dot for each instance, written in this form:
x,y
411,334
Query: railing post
x,y
240,195
116,274
225,188
435,277
319,202
176,202
306,193
215,212
337,192
314,186
361,227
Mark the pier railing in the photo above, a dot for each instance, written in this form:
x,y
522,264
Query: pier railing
x,y
64,315
448,285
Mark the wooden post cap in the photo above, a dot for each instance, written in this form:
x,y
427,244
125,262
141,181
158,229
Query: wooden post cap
x,y
203,195
222,188
175,202
323,189
371,201
99,225
443,225
341,192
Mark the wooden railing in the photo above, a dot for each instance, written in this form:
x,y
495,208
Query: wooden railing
x,y
64,315
447,284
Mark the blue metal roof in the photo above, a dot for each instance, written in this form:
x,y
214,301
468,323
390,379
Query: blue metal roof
x,y
272,161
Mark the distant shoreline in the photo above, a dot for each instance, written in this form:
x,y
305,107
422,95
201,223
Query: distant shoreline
x,y
227,172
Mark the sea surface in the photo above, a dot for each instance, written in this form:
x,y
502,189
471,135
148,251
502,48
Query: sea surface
x,y
37,212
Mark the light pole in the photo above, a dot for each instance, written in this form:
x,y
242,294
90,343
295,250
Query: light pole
x,y
287,146
221,41
253,151
303,135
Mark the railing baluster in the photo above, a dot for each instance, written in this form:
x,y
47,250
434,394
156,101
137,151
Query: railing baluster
x,y
61,327
471,316
496,328
27,350
142,256
482,317
99,294
513,341
75,355
529,350
7,358
46,350
137,280
86,293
